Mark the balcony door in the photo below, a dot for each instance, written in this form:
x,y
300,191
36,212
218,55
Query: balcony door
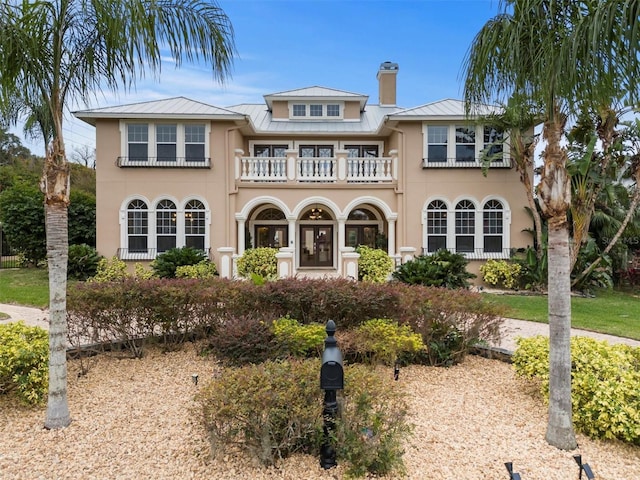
x,y
316,249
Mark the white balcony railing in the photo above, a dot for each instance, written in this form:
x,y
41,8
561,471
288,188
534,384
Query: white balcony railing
x,y
454,163
316,169
265,169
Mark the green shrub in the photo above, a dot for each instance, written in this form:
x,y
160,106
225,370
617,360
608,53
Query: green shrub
x,y
605,384
83,262
299,340
383,340
110,270
204,269
274,409
165,264
374,265
140,272
501,273
442,269
24,361
259,261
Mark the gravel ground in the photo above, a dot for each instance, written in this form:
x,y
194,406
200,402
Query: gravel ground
x,y
133,419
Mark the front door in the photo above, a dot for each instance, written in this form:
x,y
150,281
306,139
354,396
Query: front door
x,y
316,246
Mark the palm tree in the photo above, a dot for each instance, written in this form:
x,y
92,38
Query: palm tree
x,y
53,52
553,52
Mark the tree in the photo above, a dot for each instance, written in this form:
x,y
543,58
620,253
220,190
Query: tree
x,y
84,155
53,52
553,52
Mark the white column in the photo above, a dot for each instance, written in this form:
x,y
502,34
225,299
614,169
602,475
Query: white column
x,y
226,261
241,236
391,237
341,238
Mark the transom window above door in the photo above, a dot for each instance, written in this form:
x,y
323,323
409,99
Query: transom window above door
x,y
270,150
362,151
320,151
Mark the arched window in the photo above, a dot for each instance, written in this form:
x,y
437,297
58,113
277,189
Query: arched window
x,y
465,226
493,226
436,226
362,229
137,227
194,224
166,216
271,229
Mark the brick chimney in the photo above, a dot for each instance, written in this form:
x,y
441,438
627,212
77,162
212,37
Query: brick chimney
x,y
387,83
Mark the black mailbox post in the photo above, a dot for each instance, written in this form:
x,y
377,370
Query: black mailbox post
x,y
331,380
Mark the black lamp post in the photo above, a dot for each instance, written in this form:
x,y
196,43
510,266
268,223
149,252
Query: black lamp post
x,y
584,467
331,380
512,475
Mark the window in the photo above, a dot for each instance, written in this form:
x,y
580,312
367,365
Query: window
x,y
194,224
194,143
465,144
436,226
465,227
166,138
270,150
138,142
362,151
323,151
299,110
166,225
137,226
493,226
333,110
492,142
315,110
437,143
361,228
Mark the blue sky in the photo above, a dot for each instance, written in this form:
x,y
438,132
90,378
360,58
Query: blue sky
x,y
289,44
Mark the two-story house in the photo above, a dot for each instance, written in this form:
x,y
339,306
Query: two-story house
x,y
314,172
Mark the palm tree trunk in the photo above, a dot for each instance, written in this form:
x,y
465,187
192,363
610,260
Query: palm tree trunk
x,y
560,423
554,191
55,184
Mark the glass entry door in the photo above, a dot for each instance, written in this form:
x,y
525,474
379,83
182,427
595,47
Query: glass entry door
x,y
316,246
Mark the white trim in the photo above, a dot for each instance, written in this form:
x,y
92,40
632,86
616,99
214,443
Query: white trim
x,y
152,151
307,103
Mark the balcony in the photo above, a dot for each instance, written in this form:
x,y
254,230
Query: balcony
x,y
154,162
454,163
479,253
338,169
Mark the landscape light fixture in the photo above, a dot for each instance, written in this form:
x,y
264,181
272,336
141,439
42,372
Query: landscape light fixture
x,y
584,467
194,377
512,475
396,372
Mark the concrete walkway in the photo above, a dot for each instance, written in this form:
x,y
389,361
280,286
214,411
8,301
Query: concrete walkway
x,y
511,328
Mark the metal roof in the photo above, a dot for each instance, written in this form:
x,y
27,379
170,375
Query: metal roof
x,y
370,122
443,110
177,107
317,93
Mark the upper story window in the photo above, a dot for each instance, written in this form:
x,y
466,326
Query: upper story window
x,y
493,138
165,145
437,139
270,150
333,110
457,145
194,143
322,151
361,151
465,143
316,110
166,140
138,141
299,110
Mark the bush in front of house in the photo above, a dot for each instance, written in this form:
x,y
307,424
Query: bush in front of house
x,y
165,264
82,262
24,361
260,262
374,265
274,409
441,269
604,385
299,340
500,273
204,269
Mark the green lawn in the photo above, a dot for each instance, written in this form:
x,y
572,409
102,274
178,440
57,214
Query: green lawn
x,y
611,311
25,286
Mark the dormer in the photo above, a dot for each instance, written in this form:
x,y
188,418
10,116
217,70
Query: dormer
x,y
316,104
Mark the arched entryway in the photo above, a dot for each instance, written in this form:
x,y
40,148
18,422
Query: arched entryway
x,y
316,238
